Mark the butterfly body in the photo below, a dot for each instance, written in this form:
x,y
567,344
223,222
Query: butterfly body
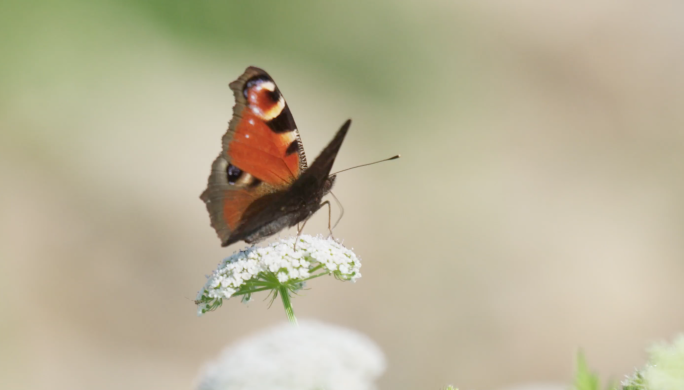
x,y
291,206
260,183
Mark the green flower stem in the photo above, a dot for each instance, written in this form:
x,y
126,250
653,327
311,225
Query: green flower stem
x,y
253,291
316,276
285,296
266,283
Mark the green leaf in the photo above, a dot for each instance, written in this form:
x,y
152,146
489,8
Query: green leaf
x,y
585,379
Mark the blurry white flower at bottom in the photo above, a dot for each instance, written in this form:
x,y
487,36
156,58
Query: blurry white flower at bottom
x,y
313,356
538,386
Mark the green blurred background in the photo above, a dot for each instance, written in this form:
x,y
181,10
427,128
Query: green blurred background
x,y
538,206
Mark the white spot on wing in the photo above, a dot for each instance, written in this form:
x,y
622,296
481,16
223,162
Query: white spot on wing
x,y
268,85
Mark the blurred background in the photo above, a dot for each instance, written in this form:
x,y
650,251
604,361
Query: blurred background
x,y
538,207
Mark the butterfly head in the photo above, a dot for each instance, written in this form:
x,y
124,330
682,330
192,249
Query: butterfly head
x,y
328,185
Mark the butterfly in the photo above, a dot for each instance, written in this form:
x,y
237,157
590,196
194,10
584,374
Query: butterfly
x,y
260,183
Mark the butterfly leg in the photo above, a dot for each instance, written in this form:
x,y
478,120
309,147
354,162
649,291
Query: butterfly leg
x,y
329,218
299,232
341,210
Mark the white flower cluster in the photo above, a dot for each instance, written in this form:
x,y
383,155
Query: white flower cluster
x,y
281,260
312,356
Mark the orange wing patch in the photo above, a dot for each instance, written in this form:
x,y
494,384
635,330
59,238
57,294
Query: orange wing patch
x,y
257,149
234,205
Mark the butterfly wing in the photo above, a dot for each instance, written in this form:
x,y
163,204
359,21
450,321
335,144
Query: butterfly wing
x,y
262,153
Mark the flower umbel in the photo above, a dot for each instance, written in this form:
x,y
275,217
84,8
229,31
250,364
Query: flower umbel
x,y
279,268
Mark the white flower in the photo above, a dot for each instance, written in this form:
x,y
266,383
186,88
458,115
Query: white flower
x,y
312,356
258,268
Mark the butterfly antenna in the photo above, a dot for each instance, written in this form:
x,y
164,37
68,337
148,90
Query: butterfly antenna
x,y
341,210
365,165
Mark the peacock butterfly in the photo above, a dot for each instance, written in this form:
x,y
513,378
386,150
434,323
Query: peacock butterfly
x,y
259,183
